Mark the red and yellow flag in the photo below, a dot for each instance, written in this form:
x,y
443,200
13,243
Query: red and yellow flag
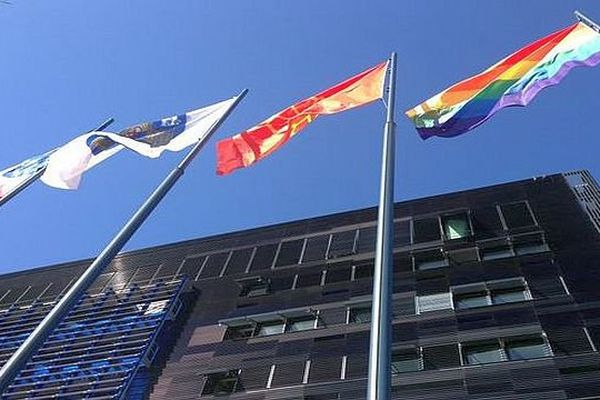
x,y
246,148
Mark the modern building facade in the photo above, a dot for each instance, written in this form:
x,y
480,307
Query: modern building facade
x,y
496,296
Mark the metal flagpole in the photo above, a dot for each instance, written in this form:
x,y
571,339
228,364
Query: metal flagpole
x,y
587,21
36,339
35,177
380,347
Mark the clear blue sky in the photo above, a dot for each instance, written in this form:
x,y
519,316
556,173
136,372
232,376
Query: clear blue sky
x,y
68,65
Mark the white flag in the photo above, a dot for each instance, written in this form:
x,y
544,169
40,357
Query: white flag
x,y
13,177
69,162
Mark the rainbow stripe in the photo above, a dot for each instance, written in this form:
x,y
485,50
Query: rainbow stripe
x,y
514,81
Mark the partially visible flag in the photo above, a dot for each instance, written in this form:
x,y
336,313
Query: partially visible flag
x,y
246,148
13,177
175,133
514,81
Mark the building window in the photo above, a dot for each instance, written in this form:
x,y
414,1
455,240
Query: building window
x,y
360,314
517,215
342,244
363,271
407,360
289,252
511,349
490,293
525,349
426,230
486,222
402,233
471,300
495,250
529,244
440,357
430,260
301,324
263,257
253,287
463,256
483,353
434,302
222,383
272,324
337,273
270,328
456,226
240,332
511,295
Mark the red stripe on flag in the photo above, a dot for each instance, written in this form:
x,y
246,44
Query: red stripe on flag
x,y
258,142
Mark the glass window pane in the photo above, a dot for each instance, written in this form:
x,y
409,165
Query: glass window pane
x,y
508,296
316,247
405,361
426,230
517,215
360,314
496,252
526,349
221,383
225,386
463,256
363,271
289,252
258,291
342,244
239,332
252,287
401,233
270,328
523,249
456,226
431,264
338,273
304,324
263,257
430,260
471,300
486,222
483,354
529,244
366,239
434,302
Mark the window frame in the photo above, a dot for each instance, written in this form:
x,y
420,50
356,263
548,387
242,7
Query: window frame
x,y
359,306
258,322
482,344
420,262
546,349
418,351
416,219
251,325
255,283
289,322
273,322
489,288
418,298
503,216
457,298
469,224
504,346
236,387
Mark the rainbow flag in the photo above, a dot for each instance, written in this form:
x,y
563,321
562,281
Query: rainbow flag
x,y
514,81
